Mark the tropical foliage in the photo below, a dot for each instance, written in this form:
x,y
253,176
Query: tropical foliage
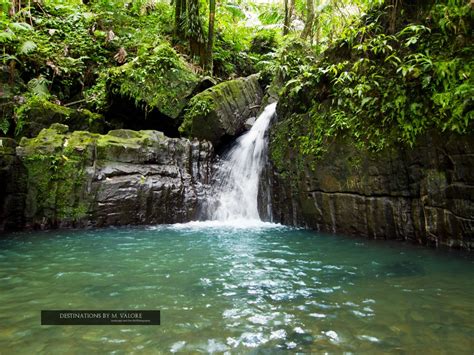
x,y
381,71
382,88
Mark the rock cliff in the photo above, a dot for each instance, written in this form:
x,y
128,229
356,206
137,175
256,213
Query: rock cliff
x,y
424,194
13,186
85,179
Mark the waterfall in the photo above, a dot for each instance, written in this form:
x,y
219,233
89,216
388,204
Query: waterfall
x,y
235,192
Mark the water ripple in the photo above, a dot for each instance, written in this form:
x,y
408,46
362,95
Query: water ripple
x,y
225,288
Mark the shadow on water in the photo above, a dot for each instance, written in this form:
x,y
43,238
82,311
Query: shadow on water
x,y
404,268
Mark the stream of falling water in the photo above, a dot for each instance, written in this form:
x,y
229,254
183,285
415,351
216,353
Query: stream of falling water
x,y
234,195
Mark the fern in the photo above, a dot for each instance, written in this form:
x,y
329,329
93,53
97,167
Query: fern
x,y
7,57
39,86
21,26
4,125
27,47
7,36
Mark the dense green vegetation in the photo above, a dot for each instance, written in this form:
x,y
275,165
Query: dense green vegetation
x,y
382,82
62,57
381,72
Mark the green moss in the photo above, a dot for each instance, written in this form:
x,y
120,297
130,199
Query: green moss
x,y
59,128
48,141
7,146
38,113
195,122
55,188
264,41
158,78
285,141
57,163
206,114
85,119
127,145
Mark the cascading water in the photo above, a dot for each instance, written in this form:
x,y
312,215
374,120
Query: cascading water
x,y
235,192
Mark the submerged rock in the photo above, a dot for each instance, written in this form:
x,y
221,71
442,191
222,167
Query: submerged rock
x,y
124,177
222,110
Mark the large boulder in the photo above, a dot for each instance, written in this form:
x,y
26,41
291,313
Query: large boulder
x,y
38,113
124,177
221,111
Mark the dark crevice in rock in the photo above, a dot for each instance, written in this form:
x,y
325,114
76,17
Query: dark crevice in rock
x,y
361,194
123,113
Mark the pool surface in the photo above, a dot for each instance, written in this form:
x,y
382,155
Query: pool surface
x,y
261,289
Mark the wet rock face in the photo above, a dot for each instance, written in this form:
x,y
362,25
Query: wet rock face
x,y
125,177
13,186
424,194
221,111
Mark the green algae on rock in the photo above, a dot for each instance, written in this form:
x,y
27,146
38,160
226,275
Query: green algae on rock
x,y
13,186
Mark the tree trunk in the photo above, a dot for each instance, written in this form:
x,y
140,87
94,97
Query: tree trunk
x,y
406,11
290,13
308,26
11,11
286,21
195,33
289,7
392,17
179,11
317,25
210,35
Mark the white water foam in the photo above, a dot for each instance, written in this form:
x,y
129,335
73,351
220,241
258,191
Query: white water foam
x,y
252,224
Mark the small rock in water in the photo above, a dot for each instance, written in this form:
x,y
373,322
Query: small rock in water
x,y
214,346
369,338
299,336
278,334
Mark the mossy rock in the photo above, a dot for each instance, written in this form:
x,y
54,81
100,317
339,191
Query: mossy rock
x,y
57,163
56,174
129,146
48,141
159,79
38,113
222,109
7,146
